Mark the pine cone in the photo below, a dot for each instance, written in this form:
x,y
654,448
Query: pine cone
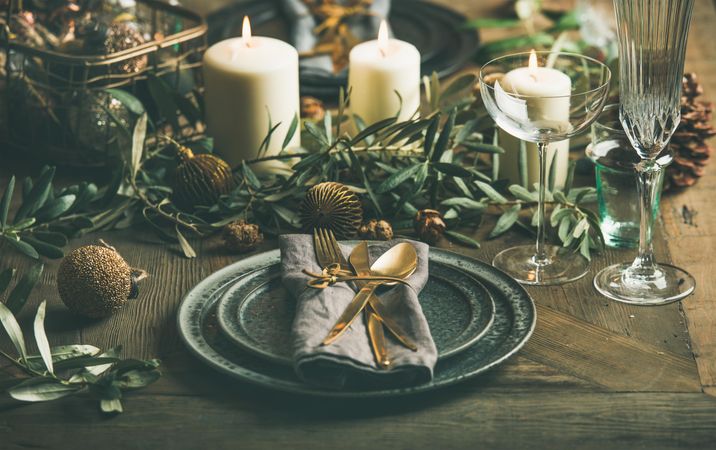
x,y
429,225
688,144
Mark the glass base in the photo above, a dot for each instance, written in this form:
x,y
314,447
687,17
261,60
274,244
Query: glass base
x,y
562,265
666,285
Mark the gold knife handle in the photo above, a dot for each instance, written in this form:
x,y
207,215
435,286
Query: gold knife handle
x,y
391,324
350,313
377,338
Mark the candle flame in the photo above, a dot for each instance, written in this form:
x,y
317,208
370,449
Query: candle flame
x,y
533,60
246,31
383,38
532,65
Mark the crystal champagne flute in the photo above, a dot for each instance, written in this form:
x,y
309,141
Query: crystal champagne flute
x,y
652,46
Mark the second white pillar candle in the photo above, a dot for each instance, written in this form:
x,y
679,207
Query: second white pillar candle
x,y
377,70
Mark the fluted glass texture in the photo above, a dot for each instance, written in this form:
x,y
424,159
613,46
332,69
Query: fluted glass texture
x,y
652,46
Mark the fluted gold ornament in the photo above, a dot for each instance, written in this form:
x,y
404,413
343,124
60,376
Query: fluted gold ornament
x,y
200,179
332,206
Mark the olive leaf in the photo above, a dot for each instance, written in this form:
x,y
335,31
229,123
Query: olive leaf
x,y
138,137
41,389
5,202
186,248
23,247
505,221
464,202
491,192
12,328
37,195
41,338
131,102
19,295
291,132
461,238
397,179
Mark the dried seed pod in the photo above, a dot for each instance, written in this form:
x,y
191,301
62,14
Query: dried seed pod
x,y
429,225
241,236
200,179
333,206
312,108
380,230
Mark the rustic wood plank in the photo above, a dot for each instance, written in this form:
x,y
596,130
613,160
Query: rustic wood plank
x,y
606,358
692,244
455,419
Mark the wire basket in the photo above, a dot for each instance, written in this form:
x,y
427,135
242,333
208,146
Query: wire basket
x,y
72,110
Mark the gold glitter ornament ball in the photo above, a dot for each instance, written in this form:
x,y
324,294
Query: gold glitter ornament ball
x,y
200,179
332,206
95,281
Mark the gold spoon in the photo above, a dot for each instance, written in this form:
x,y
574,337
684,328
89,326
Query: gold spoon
x,y
398,262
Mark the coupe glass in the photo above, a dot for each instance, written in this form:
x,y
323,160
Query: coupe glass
x,y
543,97
652,47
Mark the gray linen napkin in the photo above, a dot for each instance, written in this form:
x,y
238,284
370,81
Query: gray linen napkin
x,y
349,362
304,39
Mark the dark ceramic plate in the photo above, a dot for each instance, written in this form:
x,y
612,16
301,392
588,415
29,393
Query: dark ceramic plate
x,y
513,324
256,312
434,29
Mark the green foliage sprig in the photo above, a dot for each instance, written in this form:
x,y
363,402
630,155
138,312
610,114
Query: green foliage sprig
x,y
57,372
446,158
48,216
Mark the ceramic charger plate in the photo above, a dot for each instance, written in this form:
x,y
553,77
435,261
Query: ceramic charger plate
x,y
513,324
256,312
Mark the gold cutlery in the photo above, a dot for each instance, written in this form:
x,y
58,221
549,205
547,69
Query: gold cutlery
x,y
328,251
359,261
399,262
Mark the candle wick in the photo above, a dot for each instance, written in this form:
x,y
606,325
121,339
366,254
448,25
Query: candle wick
x,y
534,77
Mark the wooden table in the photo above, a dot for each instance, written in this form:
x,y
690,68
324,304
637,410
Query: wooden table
x,y
596,374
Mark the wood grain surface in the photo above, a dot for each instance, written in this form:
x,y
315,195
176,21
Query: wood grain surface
x,y
595,375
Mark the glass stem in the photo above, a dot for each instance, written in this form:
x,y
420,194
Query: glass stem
x,y
648,176
540,257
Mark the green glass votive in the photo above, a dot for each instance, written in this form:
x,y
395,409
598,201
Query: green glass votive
x,y
615,160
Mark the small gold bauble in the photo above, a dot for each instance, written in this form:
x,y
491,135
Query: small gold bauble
x,y
95,281
332,206
200,179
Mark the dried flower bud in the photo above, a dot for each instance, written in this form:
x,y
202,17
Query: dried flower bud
x,y
380,230
312,108
241,236
429,225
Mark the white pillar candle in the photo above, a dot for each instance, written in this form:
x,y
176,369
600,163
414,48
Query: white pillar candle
x,y
550,89
248,79
377,70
